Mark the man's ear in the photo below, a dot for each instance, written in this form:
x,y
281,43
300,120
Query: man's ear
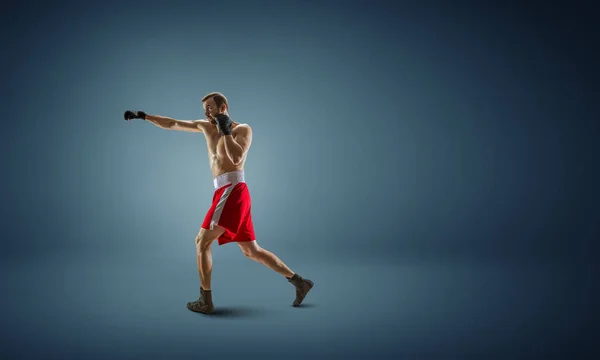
x,y
223,108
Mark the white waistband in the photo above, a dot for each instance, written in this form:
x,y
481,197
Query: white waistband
x,y
232,177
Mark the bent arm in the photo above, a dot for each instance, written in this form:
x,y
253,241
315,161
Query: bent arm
x,y
168,123
237,147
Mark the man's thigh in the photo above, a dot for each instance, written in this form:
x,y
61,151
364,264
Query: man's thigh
x,y
207,235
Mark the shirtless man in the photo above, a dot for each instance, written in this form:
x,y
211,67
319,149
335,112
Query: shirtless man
x,y
229,218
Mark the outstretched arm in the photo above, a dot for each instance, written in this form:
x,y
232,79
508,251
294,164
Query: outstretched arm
x,y
168,123
237,146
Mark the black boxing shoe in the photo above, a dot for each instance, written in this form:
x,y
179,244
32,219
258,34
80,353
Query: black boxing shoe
x,y
204,303
303,286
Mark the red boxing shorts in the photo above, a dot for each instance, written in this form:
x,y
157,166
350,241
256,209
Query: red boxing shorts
x,y
231,208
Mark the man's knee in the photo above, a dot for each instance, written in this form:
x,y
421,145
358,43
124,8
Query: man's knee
x,y
249,253
203,243
205,238
250,249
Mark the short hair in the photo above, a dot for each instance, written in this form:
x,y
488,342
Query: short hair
x,y
219,98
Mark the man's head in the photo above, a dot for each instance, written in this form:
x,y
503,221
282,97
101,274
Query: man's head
x,y
214,103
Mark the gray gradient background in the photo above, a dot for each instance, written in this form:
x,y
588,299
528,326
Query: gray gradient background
x,y
432,167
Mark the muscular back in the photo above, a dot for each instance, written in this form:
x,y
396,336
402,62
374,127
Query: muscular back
x,y
217,154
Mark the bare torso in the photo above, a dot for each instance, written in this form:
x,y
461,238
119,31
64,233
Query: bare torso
x,y
217,154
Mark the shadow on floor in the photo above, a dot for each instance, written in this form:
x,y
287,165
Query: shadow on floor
x,y
306,306
236,312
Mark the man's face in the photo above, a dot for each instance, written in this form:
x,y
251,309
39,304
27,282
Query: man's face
x,y
210,109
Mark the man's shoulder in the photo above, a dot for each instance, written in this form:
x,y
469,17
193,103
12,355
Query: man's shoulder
x,y
241,127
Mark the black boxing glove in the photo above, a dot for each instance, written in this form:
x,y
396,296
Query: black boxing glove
x,y
224,124
129,115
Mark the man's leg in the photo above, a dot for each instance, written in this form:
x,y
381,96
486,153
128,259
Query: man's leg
x,y
204,240
267,258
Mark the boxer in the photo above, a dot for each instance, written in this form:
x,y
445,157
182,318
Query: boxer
x,y
229,218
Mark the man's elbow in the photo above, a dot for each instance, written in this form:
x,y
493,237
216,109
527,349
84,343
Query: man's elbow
x,y
237,160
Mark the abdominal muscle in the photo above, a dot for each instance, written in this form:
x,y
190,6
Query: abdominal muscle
x,y
220,166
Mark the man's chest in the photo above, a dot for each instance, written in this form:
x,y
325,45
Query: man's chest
x,y
216,142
